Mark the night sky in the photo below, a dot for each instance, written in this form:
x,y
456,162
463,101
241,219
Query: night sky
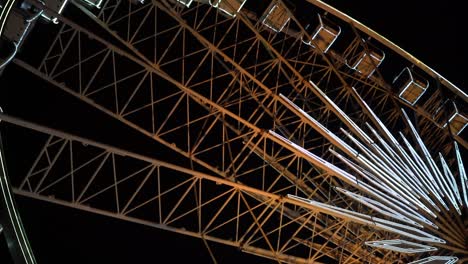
x,y
435,34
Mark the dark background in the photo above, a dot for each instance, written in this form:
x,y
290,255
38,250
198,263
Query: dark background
x,y
434,32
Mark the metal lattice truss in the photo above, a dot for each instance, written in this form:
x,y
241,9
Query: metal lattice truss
x,y
207,81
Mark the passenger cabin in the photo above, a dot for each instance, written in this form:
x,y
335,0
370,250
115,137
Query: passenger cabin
x,y
448,114
367,60
276,16
457,123
16,27
15,24
323,35
411,86
228,7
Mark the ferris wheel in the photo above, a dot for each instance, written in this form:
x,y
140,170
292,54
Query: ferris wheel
x,y
287,130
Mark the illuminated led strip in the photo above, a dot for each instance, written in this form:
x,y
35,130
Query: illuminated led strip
x,y
397,160
396,163
409,166
344,117
404,230
392,200
431,176
443,186
375,170
402,246
397,176
449,175
424,171
369,177
379,162
335,171
427,177
391,173
378,207
463,178
436,260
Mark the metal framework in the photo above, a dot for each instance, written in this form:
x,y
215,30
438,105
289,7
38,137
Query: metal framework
x,y
247,118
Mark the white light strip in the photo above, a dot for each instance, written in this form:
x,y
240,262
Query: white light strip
x,y
345,118
444,185
415,184
449,176
373,116
382,165
410,232
436,260
377,206
369,177
353,153
402,246
429,166
435,170
335,171
463,178
424,171
400,149
411,177
390,151
389,136
395,201
396,162
391,175
407,168
319,127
